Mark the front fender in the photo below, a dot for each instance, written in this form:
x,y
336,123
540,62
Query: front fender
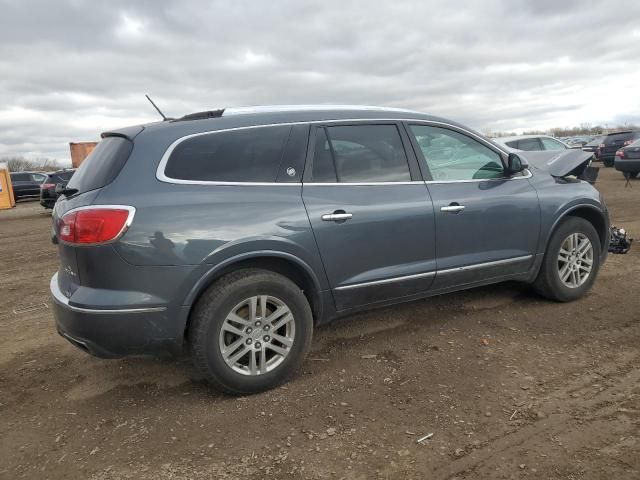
x,y
582,206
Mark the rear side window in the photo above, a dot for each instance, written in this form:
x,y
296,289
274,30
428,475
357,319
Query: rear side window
x,y
20,177
360,154
102,165
529,144
244,155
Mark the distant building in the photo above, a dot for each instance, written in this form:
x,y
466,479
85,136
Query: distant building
x,y
80,151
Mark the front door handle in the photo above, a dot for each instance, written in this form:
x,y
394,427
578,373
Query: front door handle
x,y
452,208
337,216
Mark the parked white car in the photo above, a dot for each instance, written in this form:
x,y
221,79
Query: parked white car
x,y
532,143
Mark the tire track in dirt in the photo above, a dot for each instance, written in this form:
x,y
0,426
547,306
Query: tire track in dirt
x,y
572,397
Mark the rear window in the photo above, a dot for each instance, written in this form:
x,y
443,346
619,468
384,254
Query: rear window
x,y
244,155
619,137
102,165
65,176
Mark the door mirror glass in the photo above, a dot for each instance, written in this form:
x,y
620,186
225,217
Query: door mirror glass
x,y
516,164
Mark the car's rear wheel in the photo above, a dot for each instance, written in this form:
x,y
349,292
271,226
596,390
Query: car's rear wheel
x,y
633,174
571,262
250,331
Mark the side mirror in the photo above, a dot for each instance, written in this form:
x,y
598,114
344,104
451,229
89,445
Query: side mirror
x,y
516,164
60,188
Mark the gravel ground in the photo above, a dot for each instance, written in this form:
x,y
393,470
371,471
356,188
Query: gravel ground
x,y
510,386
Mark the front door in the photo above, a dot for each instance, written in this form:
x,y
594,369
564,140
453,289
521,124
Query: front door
x,y
487,224
371,214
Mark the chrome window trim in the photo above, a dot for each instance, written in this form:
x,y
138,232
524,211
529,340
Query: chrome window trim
x,y
125,227
59,298
356,184
528,174
476,266
160,171
386,280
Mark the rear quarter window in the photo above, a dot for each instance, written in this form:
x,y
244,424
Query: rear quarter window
x,y
102,166
243,155
20,177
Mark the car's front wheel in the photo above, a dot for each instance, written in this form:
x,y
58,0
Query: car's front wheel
x,y
250,331
571,262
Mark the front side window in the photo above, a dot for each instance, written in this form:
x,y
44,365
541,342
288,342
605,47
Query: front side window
x,y
244,155
359,154
551,144
453,156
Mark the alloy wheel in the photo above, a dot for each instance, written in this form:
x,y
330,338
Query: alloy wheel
x,y
575,260
257,335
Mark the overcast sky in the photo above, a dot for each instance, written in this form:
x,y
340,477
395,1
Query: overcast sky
x,y
71,69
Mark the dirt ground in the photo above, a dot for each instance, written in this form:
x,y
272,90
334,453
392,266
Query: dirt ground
x,y
510,386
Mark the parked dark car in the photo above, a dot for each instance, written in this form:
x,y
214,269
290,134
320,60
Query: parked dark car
x,y
594,146
236,232
628,159
49,190
614,142
26,184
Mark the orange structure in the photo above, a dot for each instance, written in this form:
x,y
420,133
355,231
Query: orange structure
x,y
7,200
80,151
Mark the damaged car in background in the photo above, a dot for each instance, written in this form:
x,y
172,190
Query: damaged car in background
x,y
233,233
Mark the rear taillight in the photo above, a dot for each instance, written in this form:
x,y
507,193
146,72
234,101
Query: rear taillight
x,y
91,225
45,186
620,154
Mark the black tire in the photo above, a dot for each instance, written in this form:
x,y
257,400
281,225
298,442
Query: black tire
x,y
548,283
632,174
209,316
608,163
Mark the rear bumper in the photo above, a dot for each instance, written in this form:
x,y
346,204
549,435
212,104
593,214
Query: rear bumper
x,y
627,165
113,333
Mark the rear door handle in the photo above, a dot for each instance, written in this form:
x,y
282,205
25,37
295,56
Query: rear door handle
x,y
337,216
452,208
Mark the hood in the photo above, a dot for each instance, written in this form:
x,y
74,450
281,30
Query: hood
x,y
560,163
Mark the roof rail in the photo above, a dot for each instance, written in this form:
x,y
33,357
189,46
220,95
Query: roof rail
x,y
201,115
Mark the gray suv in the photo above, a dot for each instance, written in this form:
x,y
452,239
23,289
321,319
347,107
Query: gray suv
x,y
236,232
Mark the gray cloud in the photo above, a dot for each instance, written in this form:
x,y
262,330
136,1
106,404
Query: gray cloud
x,y
71,69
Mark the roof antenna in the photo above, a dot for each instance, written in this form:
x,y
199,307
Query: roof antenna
x,y
164,119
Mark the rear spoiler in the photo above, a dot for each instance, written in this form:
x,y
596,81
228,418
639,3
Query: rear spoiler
x,y
128,132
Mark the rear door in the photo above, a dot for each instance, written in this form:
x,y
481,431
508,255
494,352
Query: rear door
x,y
487,225
371,213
